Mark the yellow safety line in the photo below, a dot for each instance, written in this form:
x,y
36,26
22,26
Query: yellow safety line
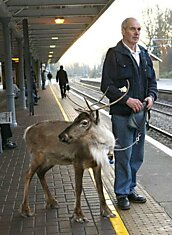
x,y
60,106
116,222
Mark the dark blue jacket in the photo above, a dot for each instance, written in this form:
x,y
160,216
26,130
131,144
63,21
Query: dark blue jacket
x,y
61,77
120,66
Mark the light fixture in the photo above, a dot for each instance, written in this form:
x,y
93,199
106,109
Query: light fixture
x,y
52,46
51,52
50,56
15,59
59,20
54,38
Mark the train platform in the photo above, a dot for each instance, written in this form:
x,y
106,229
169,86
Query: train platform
x,y
149,218
165,84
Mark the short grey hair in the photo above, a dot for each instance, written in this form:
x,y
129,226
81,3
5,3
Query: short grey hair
x,y
125,22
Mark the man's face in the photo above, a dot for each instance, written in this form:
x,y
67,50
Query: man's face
x,y
131,32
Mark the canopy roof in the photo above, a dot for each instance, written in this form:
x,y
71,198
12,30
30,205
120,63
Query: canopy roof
x,y
78,16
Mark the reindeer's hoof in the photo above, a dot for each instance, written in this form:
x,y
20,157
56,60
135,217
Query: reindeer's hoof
x,y
53,204
25,211
107,213
111,215
80,219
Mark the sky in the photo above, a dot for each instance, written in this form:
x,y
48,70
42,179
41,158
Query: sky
x,y
106,32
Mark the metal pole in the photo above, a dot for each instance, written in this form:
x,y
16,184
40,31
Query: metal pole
x,y
28,68
8,70
21,75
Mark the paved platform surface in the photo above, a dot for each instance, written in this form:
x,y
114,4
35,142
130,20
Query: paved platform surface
x,y
13,164
165,84
146,219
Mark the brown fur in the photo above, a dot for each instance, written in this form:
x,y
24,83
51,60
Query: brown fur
x,y
44,144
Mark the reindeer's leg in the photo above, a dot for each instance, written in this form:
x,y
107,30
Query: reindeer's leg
x,y
78,215
51,202
35,164
104,209
25,209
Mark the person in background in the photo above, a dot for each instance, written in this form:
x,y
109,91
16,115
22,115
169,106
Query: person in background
x,y
62,79
49,76
128,61
43,78
16,90
6,134
34,87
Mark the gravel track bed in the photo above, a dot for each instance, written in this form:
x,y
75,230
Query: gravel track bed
x,y
159,120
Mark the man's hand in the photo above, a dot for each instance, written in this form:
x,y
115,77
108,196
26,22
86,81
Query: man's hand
x,y
135,104
149,101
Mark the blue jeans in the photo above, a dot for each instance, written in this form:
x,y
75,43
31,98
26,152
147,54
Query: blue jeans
x,y
127,162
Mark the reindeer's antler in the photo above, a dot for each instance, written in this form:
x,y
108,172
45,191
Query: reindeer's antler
x,y
75,102
102,107
116,101
89,106
104,94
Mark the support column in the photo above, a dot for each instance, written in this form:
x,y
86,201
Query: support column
x,y
39,73
28,68
8,70
21,75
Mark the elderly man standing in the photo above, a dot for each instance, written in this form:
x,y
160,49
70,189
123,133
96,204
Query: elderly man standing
x,y
128,61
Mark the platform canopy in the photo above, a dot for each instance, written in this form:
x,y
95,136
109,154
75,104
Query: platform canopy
x,y
78,16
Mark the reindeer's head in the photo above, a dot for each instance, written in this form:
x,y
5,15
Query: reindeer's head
x,y
86,119
80,126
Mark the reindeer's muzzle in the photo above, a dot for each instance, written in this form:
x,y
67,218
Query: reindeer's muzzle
x,y
65,138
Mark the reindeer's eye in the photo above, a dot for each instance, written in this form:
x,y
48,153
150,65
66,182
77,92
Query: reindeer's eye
x,y
84,122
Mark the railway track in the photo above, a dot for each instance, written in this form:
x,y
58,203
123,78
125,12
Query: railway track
x,y
156,130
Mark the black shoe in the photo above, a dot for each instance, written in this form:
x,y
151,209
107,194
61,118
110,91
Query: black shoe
x,y
9,145
134,197
123,203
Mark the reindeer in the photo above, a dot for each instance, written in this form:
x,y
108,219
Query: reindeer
x,y
84,143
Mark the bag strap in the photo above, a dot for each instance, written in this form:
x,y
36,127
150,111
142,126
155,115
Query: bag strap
x,y
148,119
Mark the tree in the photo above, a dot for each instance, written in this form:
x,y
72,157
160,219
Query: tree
x,y
158,27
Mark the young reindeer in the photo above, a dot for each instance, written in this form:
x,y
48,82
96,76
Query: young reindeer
x,y
85,143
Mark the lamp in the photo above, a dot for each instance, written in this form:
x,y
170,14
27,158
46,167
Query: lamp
x,y
59,20
54,38
15,59
52,46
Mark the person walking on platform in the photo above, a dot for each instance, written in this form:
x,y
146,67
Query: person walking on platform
x,y
43,78
62,78
49,76
6,134
128,61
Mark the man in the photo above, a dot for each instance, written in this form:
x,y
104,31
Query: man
x,y
16,90
49,76
62,78
128,61
43,78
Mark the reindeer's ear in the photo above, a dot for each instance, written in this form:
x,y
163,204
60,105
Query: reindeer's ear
x,y
97,117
